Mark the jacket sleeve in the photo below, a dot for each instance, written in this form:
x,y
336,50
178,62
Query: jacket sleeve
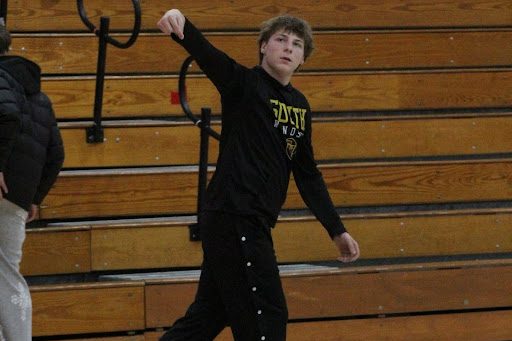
x,y
312,187
10,121
225,73
54,161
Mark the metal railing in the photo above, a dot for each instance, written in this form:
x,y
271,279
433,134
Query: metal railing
x,y
95,134
205,132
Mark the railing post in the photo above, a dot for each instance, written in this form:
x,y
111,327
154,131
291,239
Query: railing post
x,y
206,131
95,133
203,170
3,11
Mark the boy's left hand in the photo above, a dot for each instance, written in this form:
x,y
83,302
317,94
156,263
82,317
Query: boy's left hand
x,y
348,247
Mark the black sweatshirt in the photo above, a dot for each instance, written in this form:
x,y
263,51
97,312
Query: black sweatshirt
x,y
266,134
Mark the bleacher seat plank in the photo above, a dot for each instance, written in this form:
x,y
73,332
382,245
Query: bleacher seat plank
x,y
406,137
56,251
136,145
111,338
225,335
413,183
164,143
118,246
76,54
410,235
121,192
152,246
167,245
26,15
152,336
159,313
327,92
331,293
87,308
493,325
472,326
124,192
429,290
148,244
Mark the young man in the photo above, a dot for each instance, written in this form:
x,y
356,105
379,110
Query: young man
x,y
266,135
31,155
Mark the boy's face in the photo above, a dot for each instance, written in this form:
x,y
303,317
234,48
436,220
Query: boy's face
x,y
283,53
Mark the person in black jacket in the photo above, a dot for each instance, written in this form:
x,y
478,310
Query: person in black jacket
x,y
31,156
266,135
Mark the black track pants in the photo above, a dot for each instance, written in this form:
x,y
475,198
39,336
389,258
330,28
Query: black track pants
x,y
239,285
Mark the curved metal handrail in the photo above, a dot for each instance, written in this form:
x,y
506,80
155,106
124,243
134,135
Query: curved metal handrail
x,y
184,102
92,28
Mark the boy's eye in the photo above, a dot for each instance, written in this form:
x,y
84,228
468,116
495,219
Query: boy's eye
x,y
298,44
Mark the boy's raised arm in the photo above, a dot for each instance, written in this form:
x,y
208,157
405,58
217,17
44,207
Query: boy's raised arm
x,y
225,73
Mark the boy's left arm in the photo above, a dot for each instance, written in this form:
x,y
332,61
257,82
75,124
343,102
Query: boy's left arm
x,y
314,192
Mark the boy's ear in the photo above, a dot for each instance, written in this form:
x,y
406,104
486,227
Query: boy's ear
x,y
263,47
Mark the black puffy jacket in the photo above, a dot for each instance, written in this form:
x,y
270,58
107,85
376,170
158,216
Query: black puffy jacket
x,y
31,150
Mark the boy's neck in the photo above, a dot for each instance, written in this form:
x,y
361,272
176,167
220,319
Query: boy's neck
x,y
283,79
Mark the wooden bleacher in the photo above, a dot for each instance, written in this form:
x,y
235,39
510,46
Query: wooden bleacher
x,y
332,292
128,96
164,242
159,191
177,143
312,293
412,111
57,251
362,50
89,308
29,16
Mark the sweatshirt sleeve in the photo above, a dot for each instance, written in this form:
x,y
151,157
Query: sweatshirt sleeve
x,y
10,122
225,73
312,187
54,161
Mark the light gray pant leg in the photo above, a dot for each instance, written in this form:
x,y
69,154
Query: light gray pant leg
x,y
15,302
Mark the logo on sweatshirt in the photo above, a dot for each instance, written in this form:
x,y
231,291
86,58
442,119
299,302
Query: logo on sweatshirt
x,y
291,121
291,147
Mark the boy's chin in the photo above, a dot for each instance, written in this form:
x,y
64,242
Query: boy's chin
x,y
285,68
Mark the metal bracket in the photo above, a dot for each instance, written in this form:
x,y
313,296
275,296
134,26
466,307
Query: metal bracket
x,y
95,134
194,233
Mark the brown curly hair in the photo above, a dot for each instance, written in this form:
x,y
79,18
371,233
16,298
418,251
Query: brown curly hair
x,y
289,24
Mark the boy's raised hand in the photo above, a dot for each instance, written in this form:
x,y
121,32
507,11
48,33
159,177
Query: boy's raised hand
x,y
173,21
